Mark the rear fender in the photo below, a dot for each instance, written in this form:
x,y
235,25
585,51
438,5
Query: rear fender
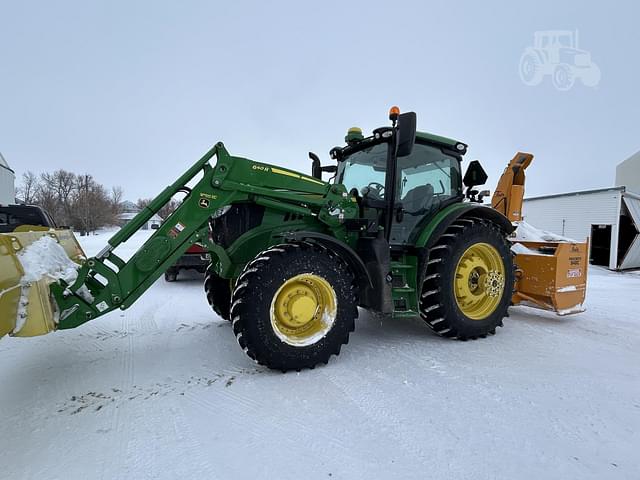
x,y
434,229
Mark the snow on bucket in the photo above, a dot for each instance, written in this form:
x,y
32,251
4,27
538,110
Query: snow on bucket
x,y
29,263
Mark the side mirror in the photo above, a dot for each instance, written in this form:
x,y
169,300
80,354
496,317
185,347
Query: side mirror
x,y
406,133
475,175
316,169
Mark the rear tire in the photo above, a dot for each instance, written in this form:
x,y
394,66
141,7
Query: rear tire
x,y
463,297
218,292
294,306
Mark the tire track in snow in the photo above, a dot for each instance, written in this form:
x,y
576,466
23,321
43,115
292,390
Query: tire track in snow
x,y
291,431
197,452
120,425
374,410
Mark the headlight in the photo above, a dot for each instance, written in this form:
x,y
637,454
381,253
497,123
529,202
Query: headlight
x,y
221,211
461,147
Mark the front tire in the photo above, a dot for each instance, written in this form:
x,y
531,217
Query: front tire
x,y
294,306
468,280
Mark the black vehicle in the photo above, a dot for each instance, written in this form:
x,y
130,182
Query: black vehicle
x,y
195,258
14,216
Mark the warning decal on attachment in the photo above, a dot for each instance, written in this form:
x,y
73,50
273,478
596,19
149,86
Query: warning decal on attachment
x,y
574,273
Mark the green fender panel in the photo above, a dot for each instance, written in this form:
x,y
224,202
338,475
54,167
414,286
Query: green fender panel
x,y
450,214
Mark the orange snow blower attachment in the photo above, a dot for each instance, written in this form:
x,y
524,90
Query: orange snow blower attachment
x,y
551,271
551,275
25,306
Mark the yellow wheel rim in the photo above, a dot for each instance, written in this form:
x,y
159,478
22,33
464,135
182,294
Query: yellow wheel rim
x,y
479,281
303,310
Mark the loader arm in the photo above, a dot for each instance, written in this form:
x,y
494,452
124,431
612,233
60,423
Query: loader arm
x,y
117,284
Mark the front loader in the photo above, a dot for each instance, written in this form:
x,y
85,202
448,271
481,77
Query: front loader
x,y
293,256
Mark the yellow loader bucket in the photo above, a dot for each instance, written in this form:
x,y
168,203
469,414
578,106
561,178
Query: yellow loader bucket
x,y
25,304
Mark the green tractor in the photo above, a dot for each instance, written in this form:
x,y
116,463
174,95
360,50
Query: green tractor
x,y
397,231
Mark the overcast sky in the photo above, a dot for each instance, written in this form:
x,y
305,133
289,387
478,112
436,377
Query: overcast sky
x,y
134,92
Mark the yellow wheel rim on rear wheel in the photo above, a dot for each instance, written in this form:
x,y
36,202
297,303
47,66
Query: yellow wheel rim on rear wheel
x,y
479,281
303,310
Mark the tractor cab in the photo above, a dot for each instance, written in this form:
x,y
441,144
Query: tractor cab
x,y
425,178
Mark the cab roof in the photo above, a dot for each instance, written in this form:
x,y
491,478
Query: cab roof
x,y
430,137
448,142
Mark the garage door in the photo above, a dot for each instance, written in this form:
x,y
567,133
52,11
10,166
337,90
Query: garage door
x,y
631,259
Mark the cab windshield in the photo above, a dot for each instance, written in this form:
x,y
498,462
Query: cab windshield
x,y
363,168
423,177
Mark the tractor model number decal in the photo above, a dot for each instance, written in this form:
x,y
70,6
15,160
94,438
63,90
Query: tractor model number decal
x,y
574,273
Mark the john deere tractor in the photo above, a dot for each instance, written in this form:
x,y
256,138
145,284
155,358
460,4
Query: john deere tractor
x,y
397,230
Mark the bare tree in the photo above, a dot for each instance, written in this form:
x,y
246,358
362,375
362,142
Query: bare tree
x,y
92,206
169,208
117,194
29,187
143,203
47,199
62,185
166,210
72,200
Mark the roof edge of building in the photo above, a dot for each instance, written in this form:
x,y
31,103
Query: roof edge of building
x,y
8,168
620,188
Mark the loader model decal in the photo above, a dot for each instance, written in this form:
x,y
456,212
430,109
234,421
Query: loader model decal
x,y
555,53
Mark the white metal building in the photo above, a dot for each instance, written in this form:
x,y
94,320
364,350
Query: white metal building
x,y
628,173
609,217
7,183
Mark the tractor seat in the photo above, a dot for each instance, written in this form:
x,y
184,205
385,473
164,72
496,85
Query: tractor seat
x,y
418,198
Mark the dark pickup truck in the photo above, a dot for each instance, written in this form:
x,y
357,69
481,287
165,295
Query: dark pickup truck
x,y
14,216
195,258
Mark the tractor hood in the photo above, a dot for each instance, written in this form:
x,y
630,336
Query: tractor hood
x,y
275,177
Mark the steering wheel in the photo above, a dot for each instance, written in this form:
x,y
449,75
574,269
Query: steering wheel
x,y
374,187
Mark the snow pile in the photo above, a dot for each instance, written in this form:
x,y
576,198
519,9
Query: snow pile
x,y
520,249
528,233
46,258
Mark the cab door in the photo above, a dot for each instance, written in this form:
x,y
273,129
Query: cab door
x,y
427,181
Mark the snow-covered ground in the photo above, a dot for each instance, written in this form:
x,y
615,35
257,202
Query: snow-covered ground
x,y
162,390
